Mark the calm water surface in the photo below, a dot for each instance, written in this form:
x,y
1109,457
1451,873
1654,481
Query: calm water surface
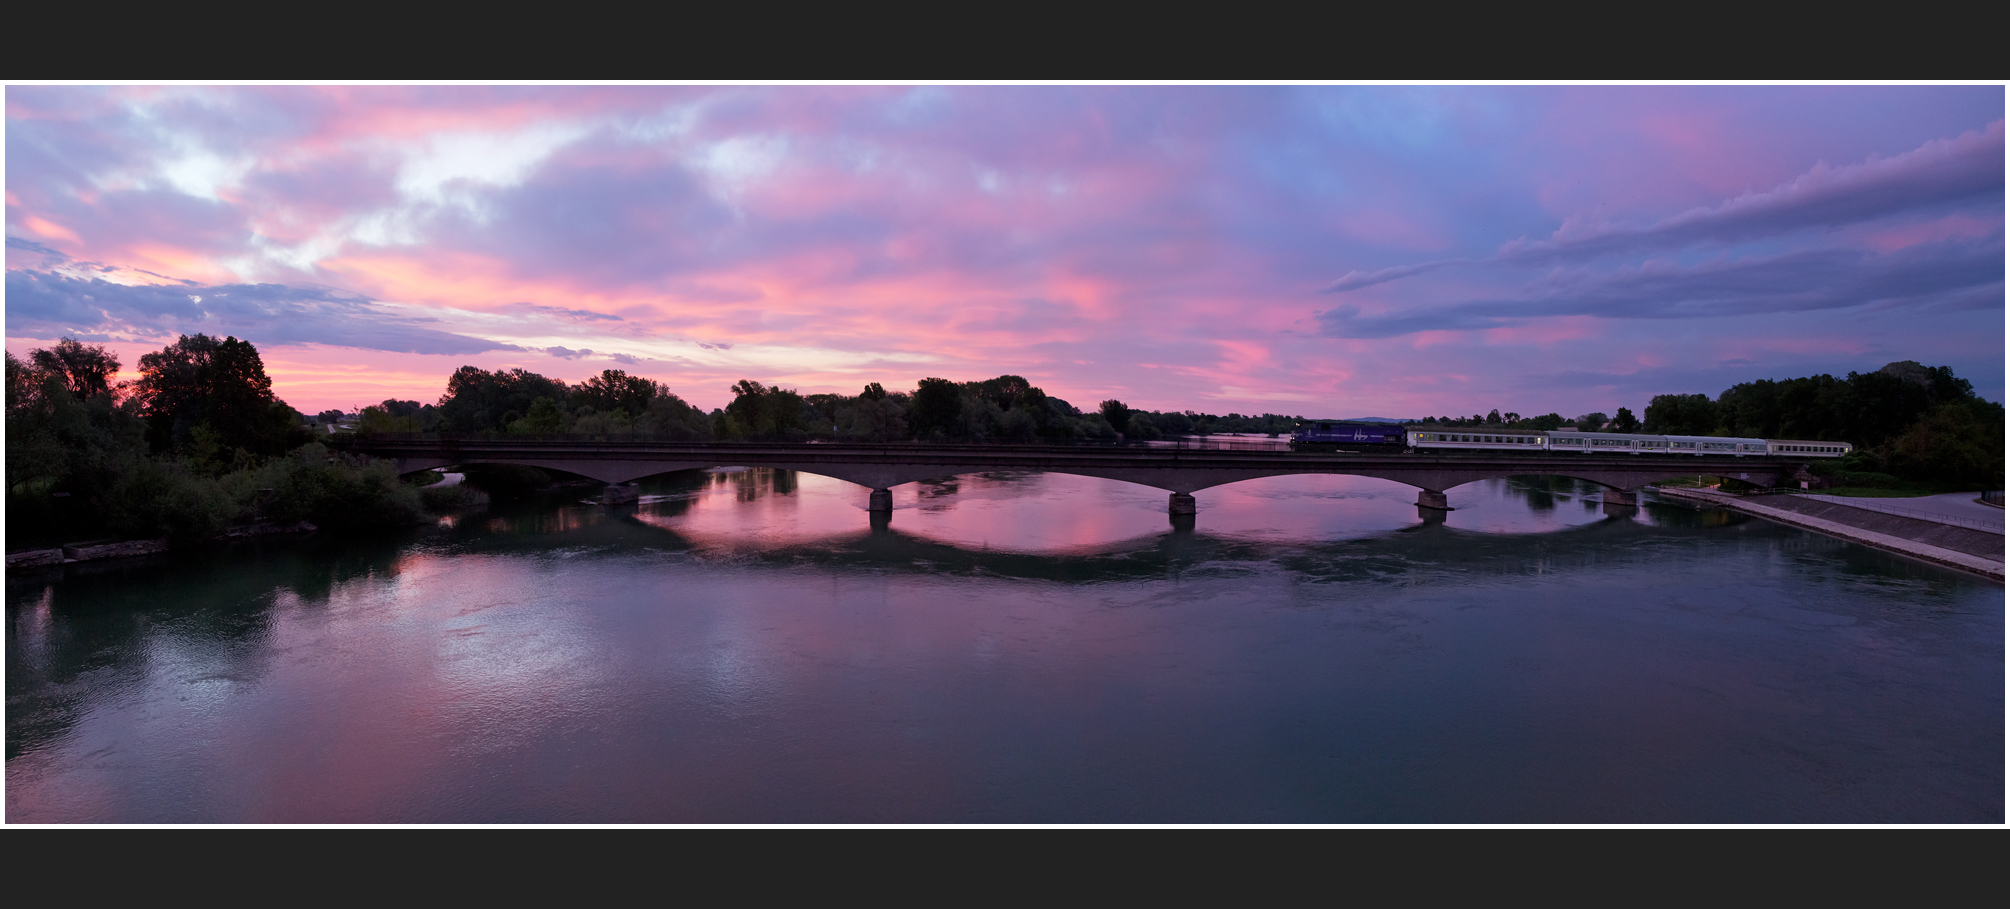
x,y
749,646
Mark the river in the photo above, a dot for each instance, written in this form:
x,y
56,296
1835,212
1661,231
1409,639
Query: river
x,y
750,646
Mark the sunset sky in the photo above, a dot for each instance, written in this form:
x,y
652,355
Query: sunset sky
x,y
1329,251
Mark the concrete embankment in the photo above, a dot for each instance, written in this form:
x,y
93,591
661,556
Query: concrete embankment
x,y
1974,551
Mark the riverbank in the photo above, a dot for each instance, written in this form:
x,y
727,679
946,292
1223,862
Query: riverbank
x,y
1963,548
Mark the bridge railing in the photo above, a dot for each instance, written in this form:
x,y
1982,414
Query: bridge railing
x,y
1191,443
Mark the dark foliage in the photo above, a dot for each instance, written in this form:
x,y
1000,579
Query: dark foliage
x,y
85,370
481,401
86,466
211,399
936,405
761,412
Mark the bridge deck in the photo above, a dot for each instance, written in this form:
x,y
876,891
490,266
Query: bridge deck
x,y
1180,470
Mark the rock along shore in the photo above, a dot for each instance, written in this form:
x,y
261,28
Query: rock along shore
x,y
94,551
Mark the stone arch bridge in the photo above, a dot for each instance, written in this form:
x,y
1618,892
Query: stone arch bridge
x,y
1180,471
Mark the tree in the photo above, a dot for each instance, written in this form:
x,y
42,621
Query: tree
x,y
543,419
1494,416
871,419
1681,415
937,404
1141,428
86,370
615,390
670,416
58,442
1625,421
1958,442
1173,423
481,401
762,412
1003,391
219,387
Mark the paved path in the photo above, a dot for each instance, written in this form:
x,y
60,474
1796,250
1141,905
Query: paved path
x,y
1953,508
1974,551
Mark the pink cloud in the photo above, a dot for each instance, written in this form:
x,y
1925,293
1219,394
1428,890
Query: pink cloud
x,y
1141,242
1960,225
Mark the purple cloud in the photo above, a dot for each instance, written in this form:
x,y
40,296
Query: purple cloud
x,y
1950,275
1964,169
49,304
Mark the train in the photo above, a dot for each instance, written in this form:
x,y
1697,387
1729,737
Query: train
x,y
1352,435
1355,435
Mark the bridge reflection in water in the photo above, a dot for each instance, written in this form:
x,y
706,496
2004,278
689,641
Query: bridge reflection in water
x,y
1178,470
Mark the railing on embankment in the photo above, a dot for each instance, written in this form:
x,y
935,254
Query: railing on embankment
x,y
1181,443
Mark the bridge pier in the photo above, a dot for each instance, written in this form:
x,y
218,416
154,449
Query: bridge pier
x,y
1181,503
1433,498
1621,501
881,501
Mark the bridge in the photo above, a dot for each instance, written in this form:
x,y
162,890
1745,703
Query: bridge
x,y
1180,471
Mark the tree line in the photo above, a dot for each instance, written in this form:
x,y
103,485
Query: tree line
x,y
1008,408
198,444
1623,421
1909,423
1913,426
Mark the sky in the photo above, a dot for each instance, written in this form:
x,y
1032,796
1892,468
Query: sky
x,y
1335,251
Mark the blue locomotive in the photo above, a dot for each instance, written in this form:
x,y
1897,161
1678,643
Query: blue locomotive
x,y
1349,435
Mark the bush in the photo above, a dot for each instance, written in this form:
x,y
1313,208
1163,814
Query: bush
x,y
156,498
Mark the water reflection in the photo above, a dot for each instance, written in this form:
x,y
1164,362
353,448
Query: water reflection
x,y
755,646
